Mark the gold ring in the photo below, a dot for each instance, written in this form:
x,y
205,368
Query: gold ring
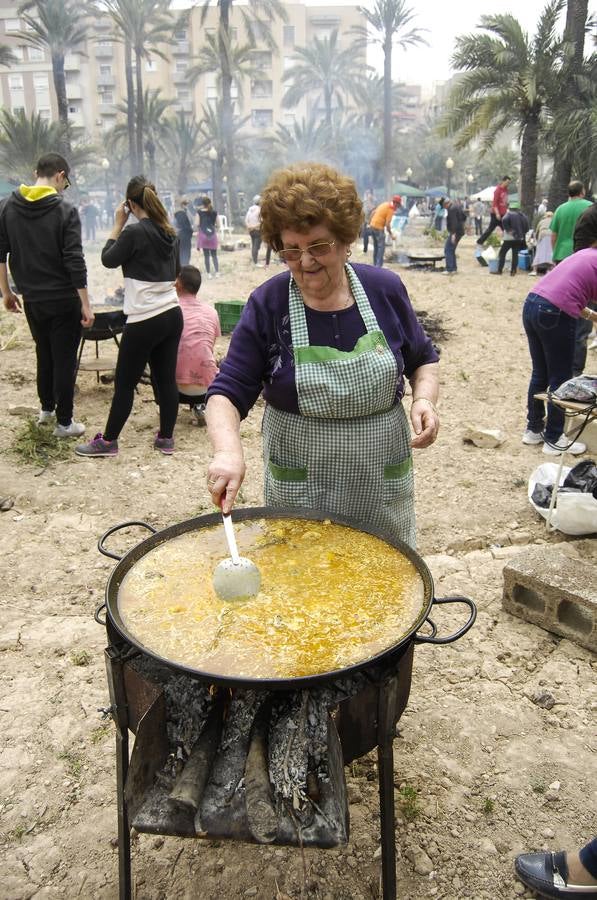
x,y
211,480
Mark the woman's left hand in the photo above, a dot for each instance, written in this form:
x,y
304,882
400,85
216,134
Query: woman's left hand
x,y
425,422
121,214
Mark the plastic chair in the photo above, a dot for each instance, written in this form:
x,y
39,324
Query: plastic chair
x,y
107,325
224,227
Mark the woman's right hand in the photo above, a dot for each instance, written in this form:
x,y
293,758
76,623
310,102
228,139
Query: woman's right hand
x,y
225,475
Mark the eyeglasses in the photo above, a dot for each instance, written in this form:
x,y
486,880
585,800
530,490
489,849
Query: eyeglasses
x,y
66,182
315,250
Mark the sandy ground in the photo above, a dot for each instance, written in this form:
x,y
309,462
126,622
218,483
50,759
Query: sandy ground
x,y
480,755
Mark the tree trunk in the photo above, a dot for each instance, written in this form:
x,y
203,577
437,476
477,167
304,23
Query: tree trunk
x,y
227,117
529,156
574,32
139,105
130,107
327,100
150,148
387,116
61,99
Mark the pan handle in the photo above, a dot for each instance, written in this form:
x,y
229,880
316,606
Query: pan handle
x,y
97,614
106,535
432,639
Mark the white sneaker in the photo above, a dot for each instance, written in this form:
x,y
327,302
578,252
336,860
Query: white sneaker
x,y
532,437
75,429
46,417
561,446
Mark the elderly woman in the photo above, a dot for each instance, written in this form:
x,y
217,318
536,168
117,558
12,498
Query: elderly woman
x,y
329,343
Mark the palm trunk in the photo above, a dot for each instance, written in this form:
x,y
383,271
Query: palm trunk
x,y
59,79
227,117
130,107
139,109
327,99
529,157
150,148
574,32
387,117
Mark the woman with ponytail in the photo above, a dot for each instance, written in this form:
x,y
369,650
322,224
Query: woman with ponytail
x,y
148,253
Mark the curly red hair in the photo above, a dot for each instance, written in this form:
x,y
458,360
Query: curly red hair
x,y
308,194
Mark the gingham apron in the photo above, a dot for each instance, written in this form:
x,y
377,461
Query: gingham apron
x,y
348,450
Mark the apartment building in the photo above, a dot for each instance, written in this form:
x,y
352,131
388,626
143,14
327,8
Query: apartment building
x,y
95,76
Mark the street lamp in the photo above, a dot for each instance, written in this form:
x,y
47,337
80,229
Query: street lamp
x,y
409,173
213,155
449,167
108,206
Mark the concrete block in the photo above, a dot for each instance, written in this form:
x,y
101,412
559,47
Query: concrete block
x,y
546,587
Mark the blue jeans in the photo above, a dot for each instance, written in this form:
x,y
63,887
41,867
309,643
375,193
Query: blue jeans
x,y
379,245
450,252
551,335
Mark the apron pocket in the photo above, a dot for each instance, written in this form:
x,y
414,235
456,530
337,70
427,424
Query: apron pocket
x,y
398,483
285,485
287,473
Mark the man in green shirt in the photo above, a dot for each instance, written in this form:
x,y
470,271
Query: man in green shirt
x,y
564,221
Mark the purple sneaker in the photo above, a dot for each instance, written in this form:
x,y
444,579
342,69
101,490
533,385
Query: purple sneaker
x,y
164,445
98,447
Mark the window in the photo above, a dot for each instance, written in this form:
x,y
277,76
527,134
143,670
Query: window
x,y
182,95
73,110
288,62
105,70
212,93
151,65
262,58
210,32
259,30
40,82
289,119
44,113
324,32
107,44
19,52
18,110
36,54
15,82
12,24
106,98
288,35
262,118
181,67
260,89
181,34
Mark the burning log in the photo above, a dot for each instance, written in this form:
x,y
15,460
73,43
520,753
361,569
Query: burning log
x,y
190,784
261,811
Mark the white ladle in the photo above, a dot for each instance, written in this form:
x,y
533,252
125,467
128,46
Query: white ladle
x,y
235,578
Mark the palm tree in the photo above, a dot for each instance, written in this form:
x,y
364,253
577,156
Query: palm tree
x,y
509,80
187,145
390,21
323,69
308,139
257,17
240,62
58,26
571,93
156,127
141,25
574,133
7,57
23,139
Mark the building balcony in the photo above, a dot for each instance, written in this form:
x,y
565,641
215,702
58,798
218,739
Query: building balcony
x,y
185,106
105,81
72,63
74,91
76,120
104,51
107,109
180,77
181,48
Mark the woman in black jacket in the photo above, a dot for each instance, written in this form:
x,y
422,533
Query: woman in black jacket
x,y
148,254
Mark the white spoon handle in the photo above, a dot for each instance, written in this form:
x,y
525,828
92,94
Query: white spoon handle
x,y
229,531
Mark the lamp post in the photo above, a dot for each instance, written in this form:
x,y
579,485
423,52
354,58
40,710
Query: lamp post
x,y
213,155
107,204
470,178
449,167
409,173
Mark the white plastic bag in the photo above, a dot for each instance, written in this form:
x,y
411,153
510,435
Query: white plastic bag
x,y
574,513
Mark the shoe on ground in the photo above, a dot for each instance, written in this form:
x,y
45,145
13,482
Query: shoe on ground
x,y
532,437
217,274
547,874
46,417
75,429
563,445
98,447
199,413
164,445
445,272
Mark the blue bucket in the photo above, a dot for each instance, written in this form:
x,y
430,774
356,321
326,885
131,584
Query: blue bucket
x,y
493,266
524,260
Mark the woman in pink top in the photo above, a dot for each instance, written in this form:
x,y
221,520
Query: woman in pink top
x,y
549,317
196,366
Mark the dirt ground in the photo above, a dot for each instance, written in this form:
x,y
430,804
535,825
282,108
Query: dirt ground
x,y
476,759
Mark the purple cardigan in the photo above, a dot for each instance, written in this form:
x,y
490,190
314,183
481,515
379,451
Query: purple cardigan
x,y
260,355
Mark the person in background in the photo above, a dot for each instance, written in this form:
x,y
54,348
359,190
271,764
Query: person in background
x,y
543,259
90,217
564,221
184,230
40,236
380,222
455,220
207,236
549,317
560,875
585,235
542,208
438,214
253,223
148,254
330,344
478,210
196,366
515,226
499,208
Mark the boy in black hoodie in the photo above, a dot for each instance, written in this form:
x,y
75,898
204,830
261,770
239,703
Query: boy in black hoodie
x,y
40,235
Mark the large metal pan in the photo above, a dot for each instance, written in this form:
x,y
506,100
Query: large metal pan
x,y
115,623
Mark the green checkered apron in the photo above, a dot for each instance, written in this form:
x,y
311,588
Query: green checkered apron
x,y
348,451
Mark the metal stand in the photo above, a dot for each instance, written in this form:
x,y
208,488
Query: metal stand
x,y
119,709
386,730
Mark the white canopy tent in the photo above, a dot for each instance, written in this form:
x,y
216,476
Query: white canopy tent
x,y
486,195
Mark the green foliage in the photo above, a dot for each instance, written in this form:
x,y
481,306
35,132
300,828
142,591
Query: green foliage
x,y
488,806
81,657
23,139
408,799
99,733
7,57
36,445
74,762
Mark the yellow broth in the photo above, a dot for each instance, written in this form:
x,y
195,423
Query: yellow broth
x,y
330,597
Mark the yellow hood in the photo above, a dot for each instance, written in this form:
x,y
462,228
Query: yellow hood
x,y
36,192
